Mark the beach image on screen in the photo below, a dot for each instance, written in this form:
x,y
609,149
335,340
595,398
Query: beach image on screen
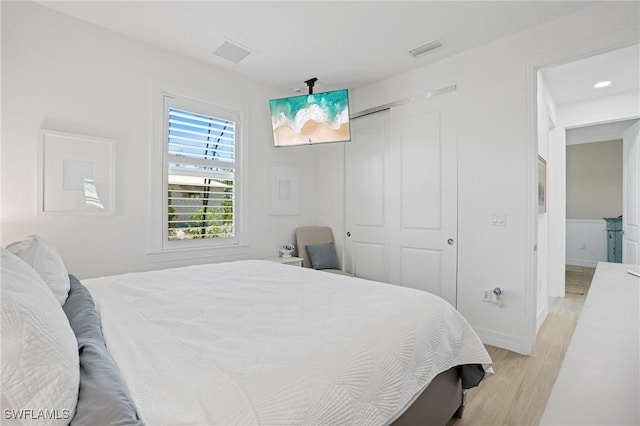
x,y
316,118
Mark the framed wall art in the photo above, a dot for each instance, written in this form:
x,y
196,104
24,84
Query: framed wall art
x,y
284,189
542,185
76,174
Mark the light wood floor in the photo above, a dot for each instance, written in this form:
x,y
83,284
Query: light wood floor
x,y
518,391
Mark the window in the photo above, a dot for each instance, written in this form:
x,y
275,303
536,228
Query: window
x,y
200,204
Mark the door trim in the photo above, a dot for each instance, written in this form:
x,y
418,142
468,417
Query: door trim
x,y
624,37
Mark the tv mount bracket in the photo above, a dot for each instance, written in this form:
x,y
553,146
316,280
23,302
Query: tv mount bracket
x,y
310,83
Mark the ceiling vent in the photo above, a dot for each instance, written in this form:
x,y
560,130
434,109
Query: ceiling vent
x,y
232,51
425,48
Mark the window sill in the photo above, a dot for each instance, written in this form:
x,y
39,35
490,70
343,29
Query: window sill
x,y
173,254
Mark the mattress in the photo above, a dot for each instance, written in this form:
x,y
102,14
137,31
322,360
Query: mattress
x,y
257,342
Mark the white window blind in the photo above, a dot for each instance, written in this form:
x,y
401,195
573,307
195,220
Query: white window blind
x,y
201,173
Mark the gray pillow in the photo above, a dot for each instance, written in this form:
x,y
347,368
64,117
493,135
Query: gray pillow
x,y
103,397
323,256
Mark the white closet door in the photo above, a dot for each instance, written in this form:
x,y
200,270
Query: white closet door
x,y
402,196
424,224
367,193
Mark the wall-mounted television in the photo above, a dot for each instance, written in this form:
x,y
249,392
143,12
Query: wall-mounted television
x,y
310,119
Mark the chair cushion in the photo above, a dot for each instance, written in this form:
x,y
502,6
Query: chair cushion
x,y
323,256
311,235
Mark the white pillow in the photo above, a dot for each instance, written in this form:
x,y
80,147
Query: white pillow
x,y
46,261
40,363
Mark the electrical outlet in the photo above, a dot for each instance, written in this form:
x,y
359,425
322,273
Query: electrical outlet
x,y
486,295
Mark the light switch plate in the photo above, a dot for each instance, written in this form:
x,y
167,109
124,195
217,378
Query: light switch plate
x,y
499,219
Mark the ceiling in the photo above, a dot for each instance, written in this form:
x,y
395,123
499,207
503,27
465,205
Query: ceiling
x,y
574,81
343,44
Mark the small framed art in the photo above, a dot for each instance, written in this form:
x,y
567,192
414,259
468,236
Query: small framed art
x,y
542,185
76,174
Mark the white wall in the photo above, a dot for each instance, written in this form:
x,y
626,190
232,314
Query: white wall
x,y
551,228
496,162
546,123
591,234
63,74
586,242
605,109
557,212
330,194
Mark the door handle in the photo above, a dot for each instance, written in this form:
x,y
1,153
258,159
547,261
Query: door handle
x,y
450,241
348,234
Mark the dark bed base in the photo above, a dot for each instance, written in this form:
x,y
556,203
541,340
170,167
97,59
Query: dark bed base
x,y
438,403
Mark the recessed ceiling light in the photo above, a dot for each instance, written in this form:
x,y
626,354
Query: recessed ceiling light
x,y
602,84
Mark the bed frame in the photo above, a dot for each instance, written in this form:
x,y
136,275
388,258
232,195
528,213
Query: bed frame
x,y
438,403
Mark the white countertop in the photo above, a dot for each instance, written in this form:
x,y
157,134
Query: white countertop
x,y
599,381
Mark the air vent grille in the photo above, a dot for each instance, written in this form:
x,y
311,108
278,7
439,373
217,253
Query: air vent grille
x,y
231,51
425,48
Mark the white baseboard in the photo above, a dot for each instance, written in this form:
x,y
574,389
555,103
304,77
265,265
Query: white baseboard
x,y
583,263
542,315
501,340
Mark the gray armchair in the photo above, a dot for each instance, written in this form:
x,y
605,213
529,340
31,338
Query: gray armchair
x,y
320,238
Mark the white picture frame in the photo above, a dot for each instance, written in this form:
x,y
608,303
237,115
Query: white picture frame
x,y
542,185
284,189
76,174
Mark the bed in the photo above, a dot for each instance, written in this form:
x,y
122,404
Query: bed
x,y
257,342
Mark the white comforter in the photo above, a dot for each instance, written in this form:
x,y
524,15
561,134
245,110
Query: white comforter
x,y
256,342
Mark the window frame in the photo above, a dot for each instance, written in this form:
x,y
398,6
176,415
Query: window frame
x,y
162,249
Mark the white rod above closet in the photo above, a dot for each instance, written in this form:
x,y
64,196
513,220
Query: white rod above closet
x,y
410,99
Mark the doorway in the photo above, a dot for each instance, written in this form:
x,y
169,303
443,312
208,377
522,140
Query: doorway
x,y
568,102
594,200
594,182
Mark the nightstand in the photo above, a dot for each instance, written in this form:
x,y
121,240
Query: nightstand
x,y
294,261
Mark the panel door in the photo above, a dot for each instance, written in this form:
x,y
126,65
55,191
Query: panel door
x,y
424,222
631,192
402,196
367,190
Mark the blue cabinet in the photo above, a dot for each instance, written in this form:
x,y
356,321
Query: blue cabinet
x,y
614,239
